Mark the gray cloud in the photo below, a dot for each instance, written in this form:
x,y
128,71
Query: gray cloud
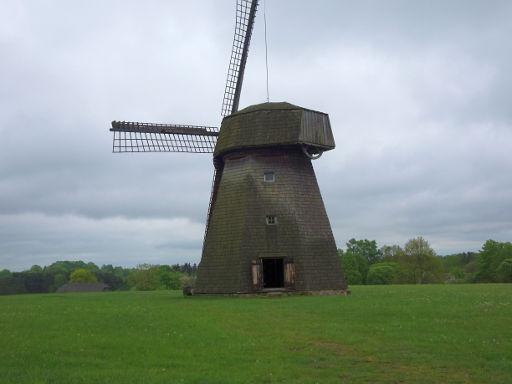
x,y
418,94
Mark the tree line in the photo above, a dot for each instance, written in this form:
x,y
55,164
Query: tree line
x,y
48,279
417,263
363,263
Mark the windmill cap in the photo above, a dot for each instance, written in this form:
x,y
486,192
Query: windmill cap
x,y
274,124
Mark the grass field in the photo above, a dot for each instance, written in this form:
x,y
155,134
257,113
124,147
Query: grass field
x,y
379,334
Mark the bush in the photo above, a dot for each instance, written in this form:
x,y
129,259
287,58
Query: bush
x,y
82,276
381,273
188,281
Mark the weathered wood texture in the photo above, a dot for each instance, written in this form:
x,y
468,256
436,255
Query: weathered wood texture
x,y
271,124
239,234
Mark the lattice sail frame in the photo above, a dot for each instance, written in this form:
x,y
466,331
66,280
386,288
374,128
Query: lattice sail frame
x,y
148,137
245,14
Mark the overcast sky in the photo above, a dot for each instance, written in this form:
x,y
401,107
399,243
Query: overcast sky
x,y
419,94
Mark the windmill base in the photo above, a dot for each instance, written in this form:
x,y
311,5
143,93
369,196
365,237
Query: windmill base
x,y
279,293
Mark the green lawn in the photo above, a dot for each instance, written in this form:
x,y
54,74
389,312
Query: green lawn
x,y
379,334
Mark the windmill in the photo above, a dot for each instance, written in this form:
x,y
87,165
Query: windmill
x,y
266,229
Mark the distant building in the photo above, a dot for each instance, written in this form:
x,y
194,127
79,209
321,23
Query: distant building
x,y
83,287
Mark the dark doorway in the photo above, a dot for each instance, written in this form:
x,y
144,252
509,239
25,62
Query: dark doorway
x,y
273,273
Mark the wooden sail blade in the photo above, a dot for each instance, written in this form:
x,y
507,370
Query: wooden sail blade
x,y
144,137
245,14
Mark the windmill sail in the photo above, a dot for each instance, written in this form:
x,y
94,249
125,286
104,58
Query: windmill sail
x,y
147,137
245,14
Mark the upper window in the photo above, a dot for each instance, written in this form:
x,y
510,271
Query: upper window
x,y
269,177
271,220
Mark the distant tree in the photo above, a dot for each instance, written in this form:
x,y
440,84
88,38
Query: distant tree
x,y
350,264
107,268
490,258
460,267
58,281
35,268
65,267
113,281
391,253
92,267
471,270
487,262
12,285
144,278
169,279
49,278
504,271
467,257
365,248
58,268
121,272
5,273
35,282
82,276
365,253
421,263
457,274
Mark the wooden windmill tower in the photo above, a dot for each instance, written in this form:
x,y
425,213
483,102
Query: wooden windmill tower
x,y
267,228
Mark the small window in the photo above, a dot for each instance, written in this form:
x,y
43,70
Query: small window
x,y
271,220
269,177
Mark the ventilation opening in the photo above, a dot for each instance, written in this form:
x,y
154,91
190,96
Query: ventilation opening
x,y
269,177
273,273
271,220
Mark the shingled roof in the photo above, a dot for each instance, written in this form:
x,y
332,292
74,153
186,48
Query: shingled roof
x,y
83,287
274,124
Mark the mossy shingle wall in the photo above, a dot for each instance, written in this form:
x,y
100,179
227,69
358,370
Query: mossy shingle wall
x,y
238,232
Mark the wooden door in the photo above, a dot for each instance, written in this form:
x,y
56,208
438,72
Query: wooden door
x,y
289,273
257,274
